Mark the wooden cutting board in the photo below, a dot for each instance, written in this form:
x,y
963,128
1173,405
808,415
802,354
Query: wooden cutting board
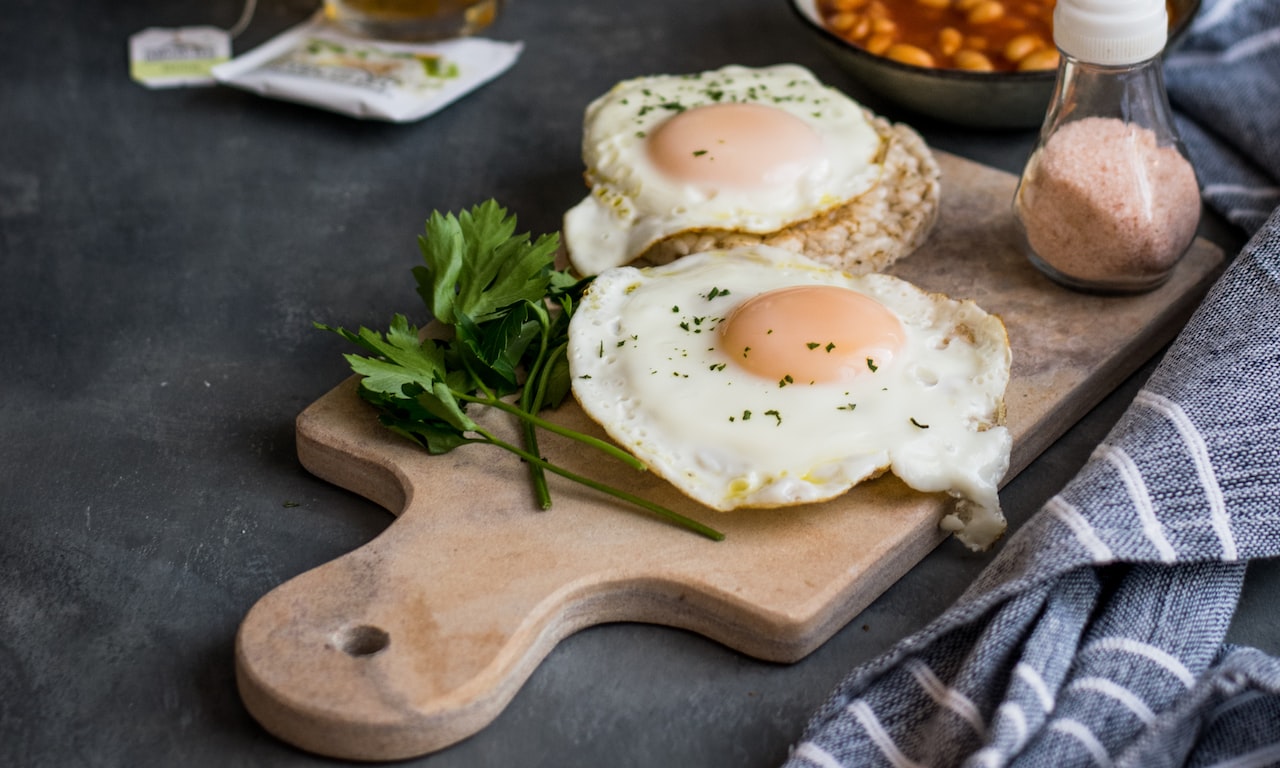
x,y
421,637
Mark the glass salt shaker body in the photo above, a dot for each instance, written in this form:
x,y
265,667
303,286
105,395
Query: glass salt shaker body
x,y
1108,201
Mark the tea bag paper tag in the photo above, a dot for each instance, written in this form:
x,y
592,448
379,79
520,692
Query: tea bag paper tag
x,y
171,58
316,64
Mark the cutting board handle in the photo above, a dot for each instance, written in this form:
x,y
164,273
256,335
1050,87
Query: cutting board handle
x,y
392,651
389,653
421,637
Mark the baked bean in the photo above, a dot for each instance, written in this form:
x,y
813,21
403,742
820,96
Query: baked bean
x,y
878,44
949,40
986,12
883,26
1003,35
842,22
1017,48
973,61
909,54
1045,58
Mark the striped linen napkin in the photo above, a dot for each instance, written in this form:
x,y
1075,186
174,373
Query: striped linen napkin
x,y
1096,636
1224,84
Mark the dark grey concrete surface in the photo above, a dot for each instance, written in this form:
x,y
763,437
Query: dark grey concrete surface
x,y
162,257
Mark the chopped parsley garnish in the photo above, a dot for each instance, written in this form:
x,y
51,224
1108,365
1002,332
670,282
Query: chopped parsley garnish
x,y
699,152
918,424
813,345
775,415
872,365
674,106
846,407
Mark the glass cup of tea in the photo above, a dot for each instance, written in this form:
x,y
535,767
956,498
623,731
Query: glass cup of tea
x,y
412,20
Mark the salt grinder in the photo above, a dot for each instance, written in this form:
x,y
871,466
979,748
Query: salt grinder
x,y
1108,201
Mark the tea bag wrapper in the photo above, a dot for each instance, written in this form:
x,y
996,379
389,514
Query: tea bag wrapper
x,y
316,64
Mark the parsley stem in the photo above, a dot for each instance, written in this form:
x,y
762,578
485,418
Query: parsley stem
x,y
531,402
596,443
536,475
531,399
657,509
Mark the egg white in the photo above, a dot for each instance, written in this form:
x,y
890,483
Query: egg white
x,y
646,364
633,205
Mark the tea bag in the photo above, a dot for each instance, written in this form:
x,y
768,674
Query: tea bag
x,y
315,63
161,57
171,58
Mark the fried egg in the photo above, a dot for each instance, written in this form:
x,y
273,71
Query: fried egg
x,y
756,377
742,149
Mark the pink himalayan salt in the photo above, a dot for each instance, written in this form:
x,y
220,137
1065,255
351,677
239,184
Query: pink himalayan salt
x,y
1107,206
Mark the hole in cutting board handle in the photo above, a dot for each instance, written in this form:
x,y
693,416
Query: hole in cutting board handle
x,y
363,640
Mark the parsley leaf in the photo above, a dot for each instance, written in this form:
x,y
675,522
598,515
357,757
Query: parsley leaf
x,y
476,266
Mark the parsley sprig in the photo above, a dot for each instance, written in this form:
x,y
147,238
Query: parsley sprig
x,y
505,311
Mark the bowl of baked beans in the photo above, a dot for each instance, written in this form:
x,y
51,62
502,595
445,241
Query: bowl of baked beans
x,y
981,63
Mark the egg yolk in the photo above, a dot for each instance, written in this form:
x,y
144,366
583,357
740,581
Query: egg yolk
x,y
743,145
810,334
